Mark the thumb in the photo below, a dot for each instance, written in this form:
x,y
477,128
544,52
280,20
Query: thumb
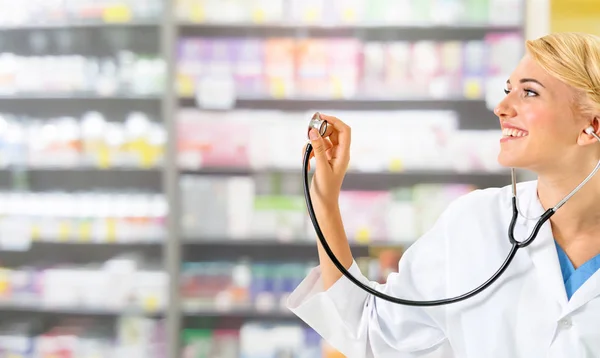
x,y
319,148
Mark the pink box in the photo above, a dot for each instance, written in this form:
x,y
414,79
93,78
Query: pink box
x,y
369,223
212,139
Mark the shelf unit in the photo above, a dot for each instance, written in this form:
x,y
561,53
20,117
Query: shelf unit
x,y
161,35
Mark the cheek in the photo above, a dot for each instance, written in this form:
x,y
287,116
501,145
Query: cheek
x,y
544,124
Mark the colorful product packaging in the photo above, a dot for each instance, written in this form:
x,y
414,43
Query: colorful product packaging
x,y
430,201
308,11
280,67
476,11
368,224
474,69
373,72
451,72
192,55
399,81
249,67
425,67
344,67
279,217
401,217
347,11
267,11
313,70
212,139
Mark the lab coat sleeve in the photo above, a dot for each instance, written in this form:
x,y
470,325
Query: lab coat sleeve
x,y
359,325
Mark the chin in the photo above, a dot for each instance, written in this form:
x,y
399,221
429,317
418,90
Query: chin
x,y
510,160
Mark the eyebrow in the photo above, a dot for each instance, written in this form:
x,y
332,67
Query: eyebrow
x,y
525,80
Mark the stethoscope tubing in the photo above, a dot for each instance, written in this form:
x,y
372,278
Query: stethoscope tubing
x,y
515,245
511,254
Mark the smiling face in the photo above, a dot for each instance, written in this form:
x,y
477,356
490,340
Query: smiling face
x,y
540,124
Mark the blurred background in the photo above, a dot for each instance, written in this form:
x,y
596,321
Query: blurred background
x,y
151,197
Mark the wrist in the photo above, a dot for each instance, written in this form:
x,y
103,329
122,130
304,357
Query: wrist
x,y
326,209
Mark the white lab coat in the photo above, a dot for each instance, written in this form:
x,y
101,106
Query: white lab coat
x,y
525,314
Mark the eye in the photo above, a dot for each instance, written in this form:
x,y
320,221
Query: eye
x,y
530,93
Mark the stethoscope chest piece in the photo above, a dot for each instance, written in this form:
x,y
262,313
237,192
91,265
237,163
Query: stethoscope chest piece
x,y
319,124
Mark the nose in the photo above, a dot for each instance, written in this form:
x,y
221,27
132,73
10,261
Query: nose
x,y
505,108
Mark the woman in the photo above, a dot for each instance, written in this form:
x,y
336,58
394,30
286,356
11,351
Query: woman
x,y
547,303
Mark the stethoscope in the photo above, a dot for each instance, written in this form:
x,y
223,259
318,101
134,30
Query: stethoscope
x,y
324,129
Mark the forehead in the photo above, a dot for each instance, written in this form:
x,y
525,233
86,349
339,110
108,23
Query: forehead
x,y
529,68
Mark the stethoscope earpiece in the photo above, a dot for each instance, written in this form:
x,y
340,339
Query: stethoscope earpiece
x,y
590,130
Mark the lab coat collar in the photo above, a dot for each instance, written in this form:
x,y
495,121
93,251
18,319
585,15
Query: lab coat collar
x,y
544,256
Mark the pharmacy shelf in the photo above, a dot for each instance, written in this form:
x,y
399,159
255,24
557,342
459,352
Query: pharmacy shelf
x,y
82,179
112,109
384,181
269,250
358,103
79,24
241,244
354,180
99,39
46,105
78,179
235,318
473,113
76,251
76,97
92,39
350,25
244,313
31,307
368,31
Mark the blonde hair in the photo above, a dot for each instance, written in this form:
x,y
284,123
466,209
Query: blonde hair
x,y
573,58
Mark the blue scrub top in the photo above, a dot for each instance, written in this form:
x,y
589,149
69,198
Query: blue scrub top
x,y
572,278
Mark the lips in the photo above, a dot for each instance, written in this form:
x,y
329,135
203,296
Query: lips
x,y
512,132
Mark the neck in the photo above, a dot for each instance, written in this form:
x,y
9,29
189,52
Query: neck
x,y
579,217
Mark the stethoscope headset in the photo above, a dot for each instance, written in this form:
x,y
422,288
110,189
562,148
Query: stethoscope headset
x,y
325,130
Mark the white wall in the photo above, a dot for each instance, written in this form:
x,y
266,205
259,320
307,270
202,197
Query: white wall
x,y
537,18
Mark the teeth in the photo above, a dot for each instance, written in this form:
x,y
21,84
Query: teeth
x,y
510,132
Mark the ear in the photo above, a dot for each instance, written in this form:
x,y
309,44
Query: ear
x,y
587,138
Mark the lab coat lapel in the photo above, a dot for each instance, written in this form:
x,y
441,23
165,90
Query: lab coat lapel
x,y
588,291
543,250
545,259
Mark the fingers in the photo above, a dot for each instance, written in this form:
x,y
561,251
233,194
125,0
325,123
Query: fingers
x,y
333,150
319,148
329,150
340,137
